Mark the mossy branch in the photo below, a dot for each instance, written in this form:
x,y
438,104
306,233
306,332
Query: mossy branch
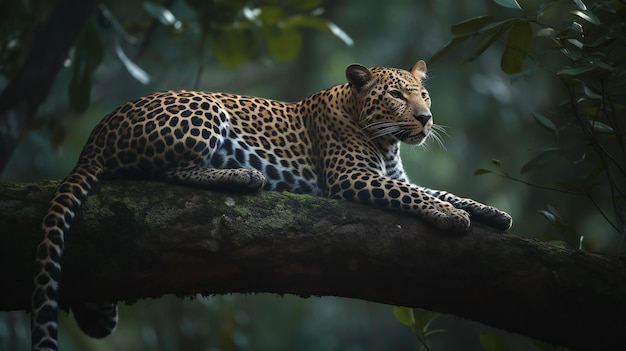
x,y
134,240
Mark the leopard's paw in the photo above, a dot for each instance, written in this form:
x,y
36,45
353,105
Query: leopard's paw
x,y
448,218
253,179
499,220
491,216
244,180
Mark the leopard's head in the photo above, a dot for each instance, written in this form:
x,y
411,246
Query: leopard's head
x,y
392,103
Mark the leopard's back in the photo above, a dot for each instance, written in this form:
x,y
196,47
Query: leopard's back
x,y
156,134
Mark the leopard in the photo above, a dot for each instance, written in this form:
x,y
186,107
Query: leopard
x,y
342,143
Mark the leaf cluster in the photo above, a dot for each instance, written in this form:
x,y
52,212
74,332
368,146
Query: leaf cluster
x,y
242,32
583,48
232,32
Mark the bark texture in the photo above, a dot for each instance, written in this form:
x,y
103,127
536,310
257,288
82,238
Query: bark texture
x,y
135,240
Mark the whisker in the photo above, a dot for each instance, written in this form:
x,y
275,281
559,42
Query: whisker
x,y
379,129
441,129
385,131
385,124
435,134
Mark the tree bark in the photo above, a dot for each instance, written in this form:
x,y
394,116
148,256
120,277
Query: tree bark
x,y
134,240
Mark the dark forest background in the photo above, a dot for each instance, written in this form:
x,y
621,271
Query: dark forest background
x,y
512,139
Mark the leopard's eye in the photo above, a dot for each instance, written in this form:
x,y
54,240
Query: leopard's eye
x,y
396,94
424,95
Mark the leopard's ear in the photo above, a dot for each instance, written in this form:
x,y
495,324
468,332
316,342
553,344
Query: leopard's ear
x,y
359,77
419,70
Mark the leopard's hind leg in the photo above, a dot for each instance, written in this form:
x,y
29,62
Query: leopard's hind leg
x,y
232,179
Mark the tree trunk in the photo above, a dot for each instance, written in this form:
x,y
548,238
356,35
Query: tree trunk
x,y
135,240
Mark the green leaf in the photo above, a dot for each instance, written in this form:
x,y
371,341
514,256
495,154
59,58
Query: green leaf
x,y
587,16
547,215
515,51
542,158
306,22
497,26
581,5
553,210
423,318
161,13
495,29
577,27
271,14
512,4
470,26
604,66
574,55
601,127
451,44
132,68
482,171
302,4
601,43
339,33
591,94
283,44
577,43
485,45
544,121
575,71
232,47
492,342
404,315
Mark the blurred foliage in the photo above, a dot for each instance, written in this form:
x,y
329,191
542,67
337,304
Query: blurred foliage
x,y
237,32
419,321
530,131
492,342
585,54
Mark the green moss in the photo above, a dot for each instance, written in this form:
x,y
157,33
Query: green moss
x,y
28,212
277,211
280,217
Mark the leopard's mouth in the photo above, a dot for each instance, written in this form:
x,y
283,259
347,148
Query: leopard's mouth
x,y
410,138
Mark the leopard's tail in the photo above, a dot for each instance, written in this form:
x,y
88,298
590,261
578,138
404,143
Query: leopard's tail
x,y
47,269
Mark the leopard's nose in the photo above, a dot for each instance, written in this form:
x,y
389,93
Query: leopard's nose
x,y
423,118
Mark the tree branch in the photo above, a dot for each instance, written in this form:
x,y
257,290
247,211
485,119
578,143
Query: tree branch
x,y
134,240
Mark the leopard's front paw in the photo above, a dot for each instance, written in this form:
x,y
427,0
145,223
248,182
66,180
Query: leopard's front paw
x,y
500,220
448,218
492,217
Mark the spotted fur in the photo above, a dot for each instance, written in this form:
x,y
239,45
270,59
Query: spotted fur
x,y
341,143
